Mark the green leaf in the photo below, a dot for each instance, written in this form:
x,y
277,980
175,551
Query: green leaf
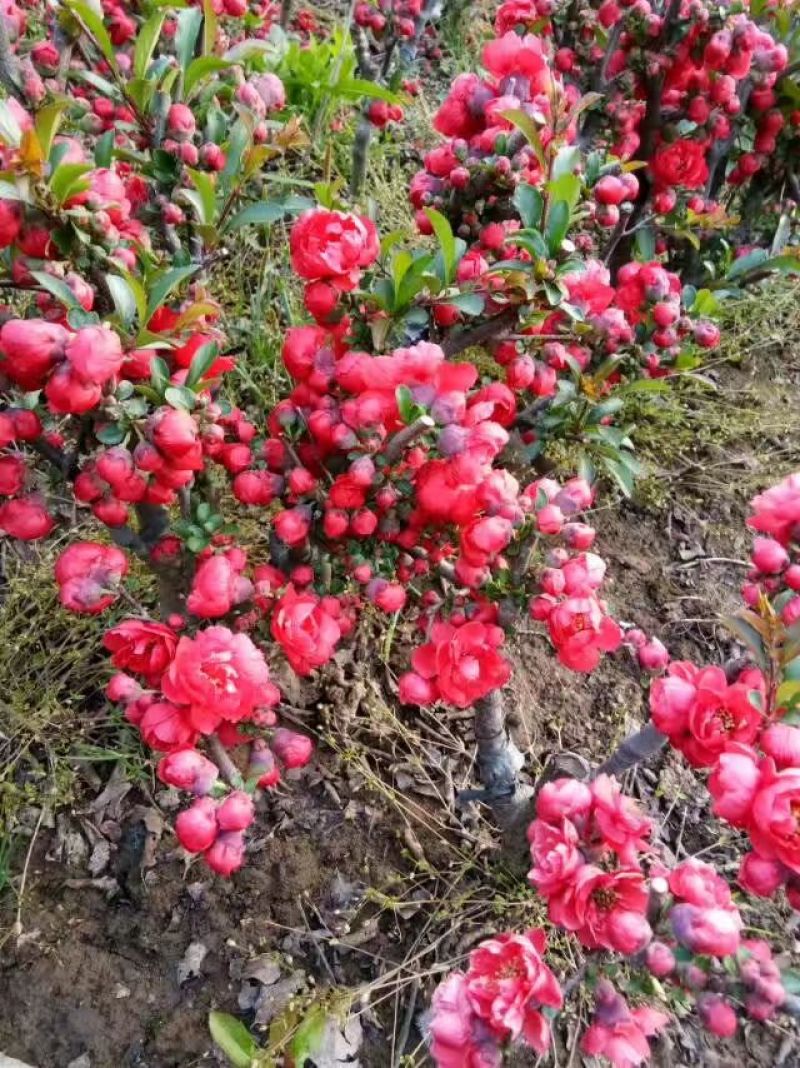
x,y
146,42
358,87
196,545
57,287
230,1034
790,980
565,187
202,362
199,69
165,284
123,297
753,259
529,203
47,122
207,202
104,149
189,21
94,24
469,303
159,375
266,212
557,225
645,241
238,143
180,397
447,242
405,404
749,636
209,27
565,162
112,434
68,179
621,474
525,124
10,129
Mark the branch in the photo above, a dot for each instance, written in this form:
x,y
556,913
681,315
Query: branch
x,y
396,445
478,335
228,769
9,72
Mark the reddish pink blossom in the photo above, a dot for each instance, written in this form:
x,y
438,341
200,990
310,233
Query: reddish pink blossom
x,y
141,646
776,510
463,662
217,587
619,1032
459,1038
292,749
333,245
189,770
88,575
775,817
581,631
25,518
619,821
307,633
236,811
219,675
196,827
605,909
507,985
706,930
225,855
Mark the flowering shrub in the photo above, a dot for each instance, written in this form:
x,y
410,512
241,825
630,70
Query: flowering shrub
x,y
394,481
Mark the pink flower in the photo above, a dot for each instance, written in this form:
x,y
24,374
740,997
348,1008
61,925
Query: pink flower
x,y
306,632
188,769
706,930
581,631
775,817
698,883
459,1039
760,876
141,646
555,855
95,354
292,749
618,819
507,984
333,245
512,55
30,349
777,510
733,784
564,799
165,726
605,909
220,676
413,689
87,574
25,518
672,696
225,855
463,662
619,1032
717,1015
196,827
236,811
217,587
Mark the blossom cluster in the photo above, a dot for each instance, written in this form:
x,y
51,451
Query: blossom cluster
x,y
745,732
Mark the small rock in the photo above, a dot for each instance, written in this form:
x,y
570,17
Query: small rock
x,y
192,961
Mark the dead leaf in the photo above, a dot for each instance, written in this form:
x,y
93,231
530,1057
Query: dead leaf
x,y
189,967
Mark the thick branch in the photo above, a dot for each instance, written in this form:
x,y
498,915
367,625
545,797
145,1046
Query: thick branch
x,y
228,770
396,445
491,330
9,73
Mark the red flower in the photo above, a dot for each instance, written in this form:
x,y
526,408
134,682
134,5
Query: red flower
x,y
30,349
681,163
333,245
512,55
306,632
220,676
580,631
26,518
463,662
555,856
620,823
142,646
605,909
776,510
87,574
775,817
459,1039
188,769
461,114
733,784
508,982
217,587
619,1032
